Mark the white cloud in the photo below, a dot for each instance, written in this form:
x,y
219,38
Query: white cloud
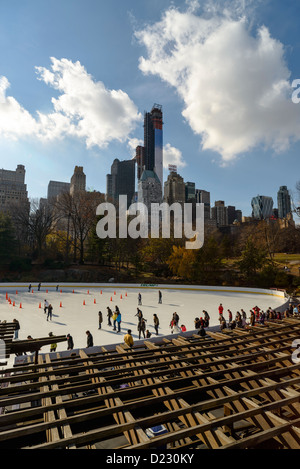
x,y
93,112
15,121
172,156
85,109
133,143
235,85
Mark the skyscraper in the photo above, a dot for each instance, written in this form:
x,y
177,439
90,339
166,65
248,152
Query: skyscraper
x,y
57,187
78,180
153,141
220,213
13,190
262,207
283,202
121,181
174,189
203,197
149,158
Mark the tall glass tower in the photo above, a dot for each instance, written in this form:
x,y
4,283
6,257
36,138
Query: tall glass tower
x,y
284,202
262,207
153,141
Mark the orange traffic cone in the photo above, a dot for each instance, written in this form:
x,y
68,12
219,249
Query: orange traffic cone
x,y
13,303
111,298
40,305
121,297
114,292
126,294
46,291
83,302
60,305
20,305
16,292
88,292
94,301
73,291
6,296
101,292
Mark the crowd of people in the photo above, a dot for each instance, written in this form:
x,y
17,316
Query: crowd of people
x,y
256,316
226,320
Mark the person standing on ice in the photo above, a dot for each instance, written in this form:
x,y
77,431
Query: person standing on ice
x,y
159,297
46,305
141,327
118,321
90,342
109,316
29,288
139,299
70,342
17,328
100,319
49,315
156,323
221,309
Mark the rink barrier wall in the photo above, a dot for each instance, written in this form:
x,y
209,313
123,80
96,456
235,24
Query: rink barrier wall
x,y
145,286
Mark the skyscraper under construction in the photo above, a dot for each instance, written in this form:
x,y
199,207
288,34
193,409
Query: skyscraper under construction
x,y
150,156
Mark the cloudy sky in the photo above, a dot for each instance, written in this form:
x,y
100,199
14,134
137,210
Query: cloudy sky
x,y
76,77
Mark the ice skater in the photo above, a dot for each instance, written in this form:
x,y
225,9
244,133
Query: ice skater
x,y
109,316
100,319
156,323
49,315
90,342
46,305
139,299
159,297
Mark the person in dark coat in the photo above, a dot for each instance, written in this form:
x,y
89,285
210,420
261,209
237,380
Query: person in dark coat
x,y
159,297
17,328
156,323
139,299
197,323
109,316
100,318
141,327
90,342
49,315
70,342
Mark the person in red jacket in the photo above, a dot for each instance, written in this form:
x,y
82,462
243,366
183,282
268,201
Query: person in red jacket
x,y
221,309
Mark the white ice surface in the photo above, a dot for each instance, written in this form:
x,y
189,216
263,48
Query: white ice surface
x,y
75,318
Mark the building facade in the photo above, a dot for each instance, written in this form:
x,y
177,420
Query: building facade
x,y
283,202
56,188
174,189
121,181
262,207
78,180
13,190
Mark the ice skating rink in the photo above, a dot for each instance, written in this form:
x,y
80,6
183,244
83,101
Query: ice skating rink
x,y
76,307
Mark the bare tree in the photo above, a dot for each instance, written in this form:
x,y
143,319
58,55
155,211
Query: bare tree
x,y
76,214
34,224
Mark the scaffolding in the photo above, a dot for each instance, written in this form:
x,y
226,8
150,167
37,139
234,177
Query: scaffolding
x,y
229,390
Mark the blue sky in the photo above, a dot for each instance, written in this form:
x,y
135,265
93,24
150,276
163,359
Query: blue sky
x,y
76,77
